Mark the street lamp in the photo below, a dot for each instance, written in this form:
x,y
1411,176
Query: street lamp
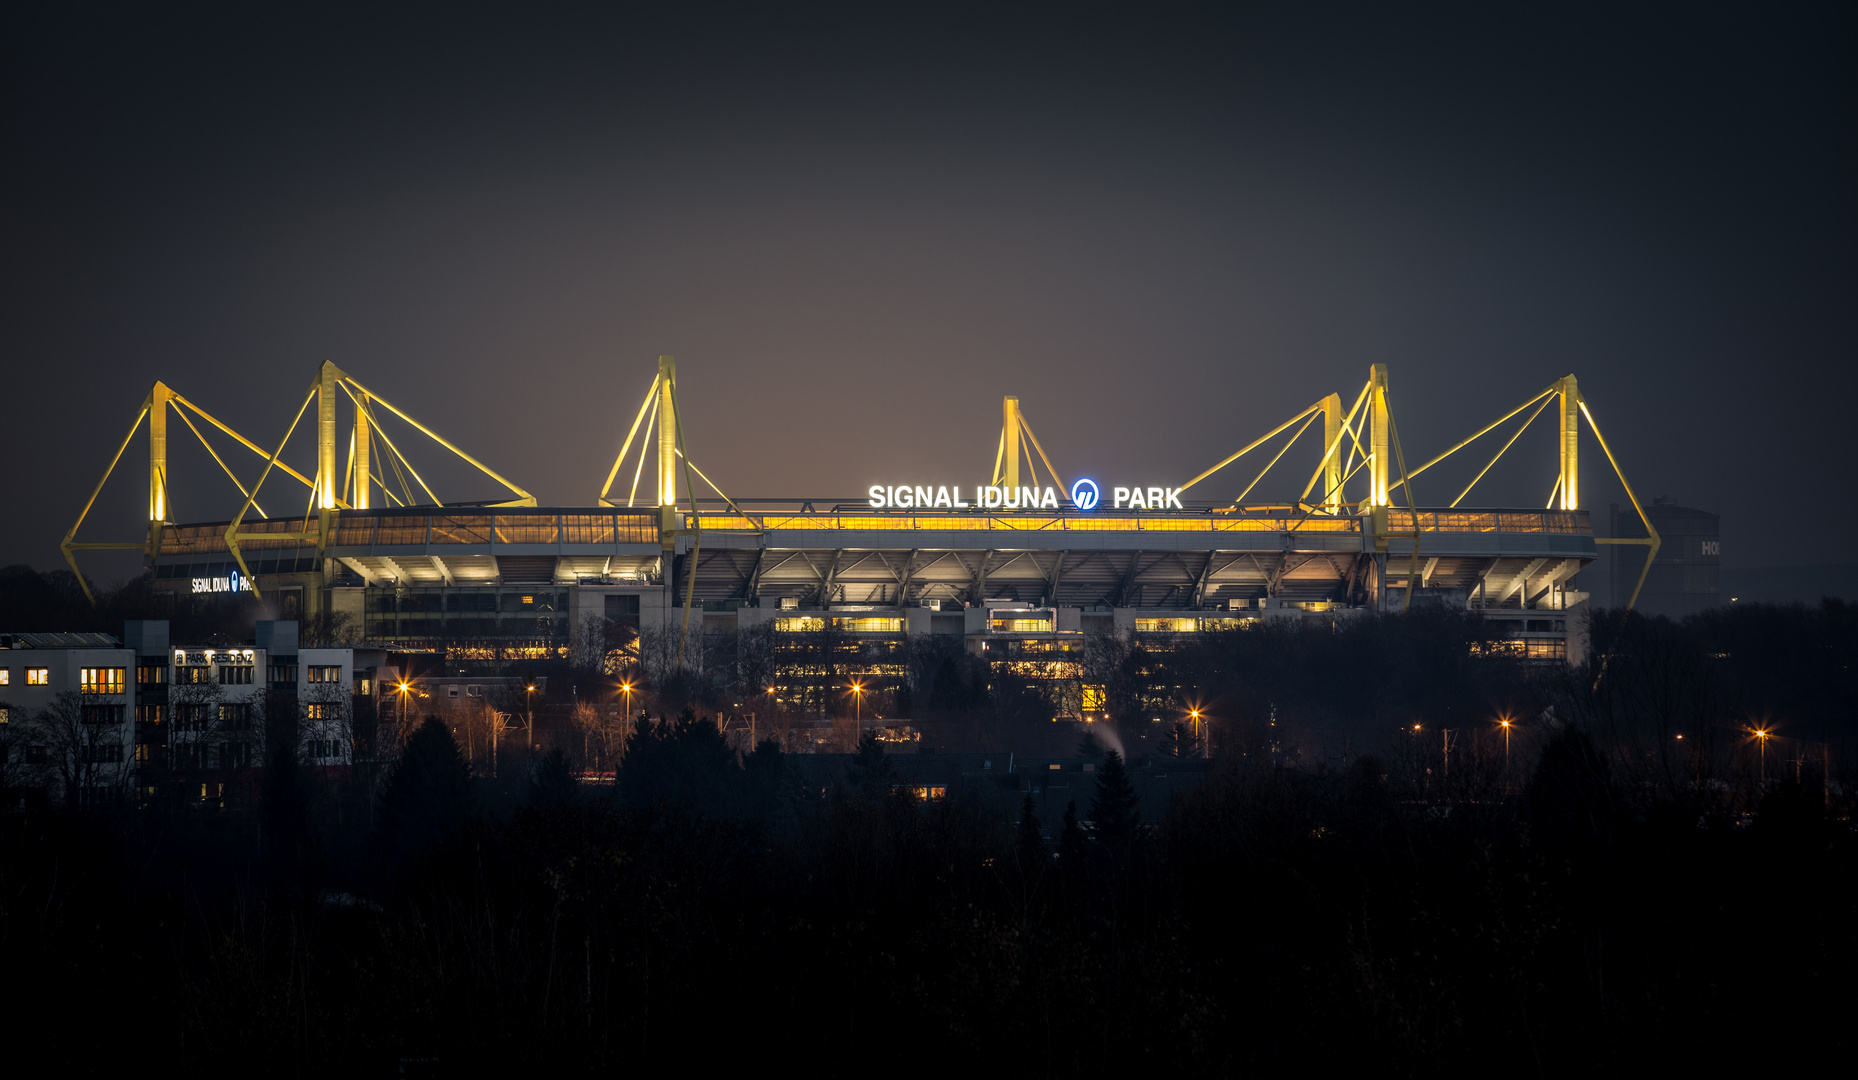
x,y
1199,729
530,697
857,712
1505,725
1761,740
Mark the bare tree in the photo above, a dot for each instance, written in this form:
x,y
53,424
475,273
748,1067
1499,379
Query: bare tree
x,y
604,730
15,748
87,749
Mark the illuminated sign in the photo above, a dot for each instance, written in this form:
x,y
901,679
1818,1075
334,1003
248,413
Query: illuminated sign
x,y
1155,498
232,582
1085,495
904,497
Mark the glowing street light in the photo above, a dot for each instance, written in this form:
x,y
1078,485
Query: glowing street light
x,y
857,712
1199,728
1761,740
1505,724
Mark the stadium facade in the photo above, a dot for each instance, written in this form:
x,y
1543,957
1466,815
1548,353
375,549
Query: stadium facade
x,y
1025,564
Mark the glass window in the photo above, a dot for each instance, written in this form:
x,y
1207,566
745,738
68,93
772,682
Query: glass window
x,y
1166,626
38,676
6,676
101,680
1022,626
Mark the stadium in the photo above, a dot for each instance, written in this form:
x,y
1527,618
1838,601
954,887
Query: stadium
x,y
1029,565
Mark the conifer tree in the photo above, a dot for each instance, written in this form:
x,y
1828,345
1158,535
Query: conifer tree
x,y
1113,807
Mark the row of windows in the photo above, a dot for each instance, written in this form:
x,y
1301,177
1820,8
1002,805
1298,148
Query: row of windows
x,y
237,716
382,601
1530,649
102,680
847,625
103,714
35,676
235,755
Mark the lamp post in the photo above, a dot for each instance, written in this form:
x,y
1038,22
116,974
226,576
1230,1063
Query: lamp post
x,y
530,698
1505,725
1199,730
857,713
1761,740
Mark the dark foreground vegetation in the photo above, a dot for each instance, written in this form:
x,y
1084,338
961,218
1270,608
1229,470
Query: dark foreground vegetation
x,y
1603,902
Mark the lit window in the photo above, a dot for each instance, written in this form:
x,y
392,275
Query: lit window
x,y
1022,626
6,676
38,676
1166,626
1092,697
101,680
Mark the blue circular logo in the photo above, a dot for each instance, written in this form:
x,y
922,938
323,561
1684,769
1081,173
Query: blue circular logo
x,y
1084,494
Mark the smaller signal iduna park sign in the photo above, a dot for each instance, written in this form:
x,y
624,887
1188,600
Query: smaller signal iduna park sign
x,y
1085,495
232,582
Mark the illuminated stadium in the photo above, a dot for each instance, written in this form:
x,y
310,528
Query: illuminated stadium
x,y
1030,563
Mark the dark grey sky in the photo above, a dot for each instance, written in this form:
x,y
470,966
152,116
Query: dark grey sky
x,y
1164,228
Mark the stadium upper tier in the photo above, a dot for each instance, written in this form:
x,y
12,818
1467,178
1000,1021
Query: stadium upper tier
x,y
1175,560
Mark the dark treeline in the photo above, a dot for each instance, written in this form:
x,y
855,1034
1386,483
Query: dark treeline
x,y
1336,894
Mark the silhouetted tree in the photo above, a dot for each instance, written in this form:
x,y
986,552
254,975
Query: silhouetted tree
x,y
551,782
1028,841
1571,797
1071,842
685,761
283,789
429,792
870,772
1113,807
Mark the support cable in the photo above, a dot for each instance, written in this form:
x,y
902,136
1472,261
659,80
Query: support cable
x,y
644,450
209,449
1255,444
1280,454
651,396
1506,446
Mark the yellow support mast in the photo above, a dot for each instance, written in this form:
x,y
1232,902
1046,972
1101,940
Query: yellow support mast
x,y
159,507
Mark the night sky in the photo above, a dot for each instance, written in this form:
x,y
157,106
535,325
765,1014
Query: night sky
x,y
1165,229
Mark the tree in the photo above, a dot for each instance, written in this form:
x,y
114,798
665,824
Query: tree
x,y
683,761
870,770
603,729
429,792
1113,807
284,791
551,781
14,742
1571,797
1181,741
87,748
1071,841
1028,840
